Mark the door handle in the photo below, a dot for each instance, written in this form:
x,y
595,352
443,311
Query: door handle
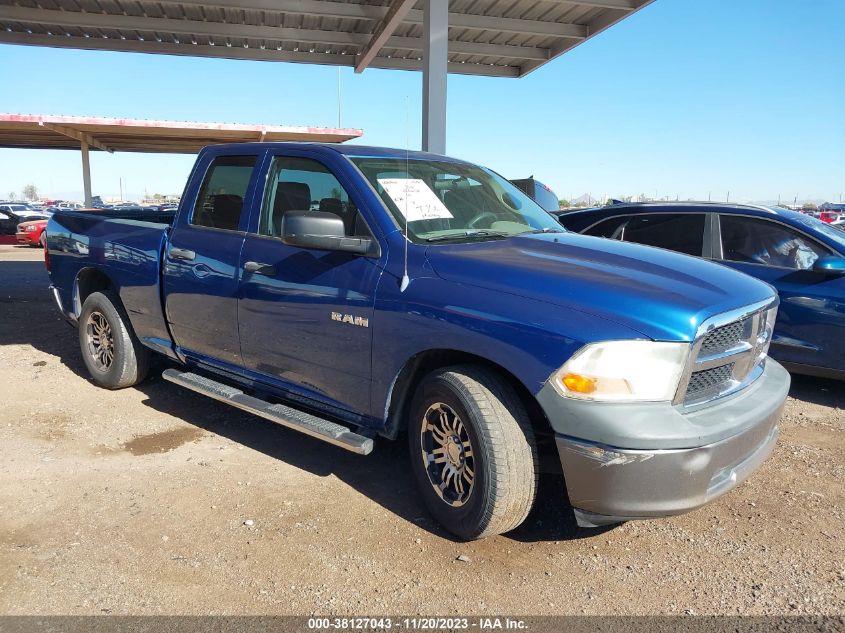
x,y
260,269
181,253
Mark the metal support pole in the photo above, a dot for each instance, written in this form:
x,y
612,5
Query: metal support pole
x,y
435,53
86,173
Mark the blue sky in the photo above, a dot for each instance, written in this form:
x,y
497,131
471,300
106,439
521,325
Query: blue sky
x,y
685,98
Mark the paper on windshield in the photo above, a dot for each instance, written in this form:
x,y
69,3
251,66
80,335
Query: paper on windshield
x,y
415,199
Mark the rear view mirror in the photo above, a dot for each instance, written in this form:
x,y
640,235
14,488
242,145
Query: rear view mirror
x,y
830,264
322,231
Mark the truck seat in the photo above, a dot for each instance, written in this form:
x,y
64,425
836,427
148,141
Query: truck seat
x,y
290,196
226,211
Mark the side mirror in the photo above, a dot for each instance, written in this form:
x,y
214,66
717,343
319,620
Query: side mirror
x,y
322,231
830,265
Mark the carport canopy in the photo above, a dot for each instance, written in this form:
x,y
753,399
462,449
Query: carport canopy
x,y
134,135
503,38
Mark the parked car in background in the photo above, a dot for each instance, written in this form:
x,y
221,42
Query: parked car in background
x,y
31,233
539,193
12,214
829,216
801,256
431,298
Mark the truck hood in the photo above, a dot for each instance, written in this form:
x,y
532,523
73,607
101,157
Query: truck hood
x,y
660,294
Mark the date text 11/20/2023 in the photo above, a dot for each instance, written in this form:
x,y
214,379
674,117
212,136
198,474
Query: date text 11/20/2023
x,y
415,624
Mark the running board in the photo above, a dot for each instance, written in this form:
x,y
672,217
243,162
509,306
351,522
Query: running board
x,y
286,416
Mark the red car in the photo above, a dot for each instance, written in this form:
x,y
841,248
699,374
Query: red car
x,y
31,233
829,216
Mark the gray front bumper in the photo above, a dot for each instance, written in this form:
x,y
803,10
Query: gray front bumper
x,y
609,482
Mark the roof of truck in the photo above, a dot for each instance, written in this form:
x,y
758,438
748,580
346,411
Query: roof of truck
x,y
347,150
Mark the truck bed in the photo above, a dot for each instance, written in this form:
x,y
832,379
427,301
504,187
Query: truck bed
x,y
128,244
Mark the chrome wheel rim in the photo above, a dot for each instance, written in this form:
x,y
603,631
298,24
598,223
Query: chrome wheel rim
x,y
100,340
447,454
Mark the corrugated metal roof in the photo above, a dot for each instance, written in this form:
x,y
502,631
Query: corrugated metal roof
x,y
35,131
486,37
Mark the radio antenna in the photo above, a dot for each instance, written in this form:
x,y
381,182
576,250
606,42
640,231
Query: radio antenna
x,y
406,281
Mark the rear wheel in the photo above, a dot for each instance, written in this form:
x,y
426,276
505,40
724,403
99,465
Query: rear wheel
x,y
112,353
473,451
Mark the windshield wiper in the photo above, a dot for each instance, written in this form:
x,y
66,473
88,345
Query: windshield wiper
x,y
468,234
547,229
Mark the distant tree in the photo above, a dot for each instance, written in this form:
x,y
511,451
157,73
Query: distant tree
x,y
30,192
809,206
12,195
563,204
158,196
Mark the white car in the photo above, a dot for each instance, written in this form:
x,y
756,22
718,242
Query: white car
x,y
21,212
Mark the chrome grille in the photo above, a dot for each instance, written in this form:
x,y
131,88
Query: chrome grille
x,y
707,380
727,354
724,338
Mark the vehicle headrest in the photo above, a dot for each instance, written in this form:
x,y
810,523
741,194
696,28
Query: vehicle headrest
x,y
226,210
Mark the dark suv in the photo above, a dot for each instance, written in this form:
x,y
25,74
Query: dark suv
x,y
801,256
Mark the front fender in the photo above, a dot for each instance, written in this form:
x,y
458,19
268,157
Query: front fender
x,y
528,338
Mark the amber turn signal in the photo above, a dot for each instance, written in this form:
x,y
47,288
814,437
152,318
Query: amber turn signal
x,y
579,383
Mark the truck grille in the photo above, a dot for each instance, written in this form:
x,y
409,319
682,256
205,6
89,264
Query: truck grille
x,y
706,380
728,354
724,338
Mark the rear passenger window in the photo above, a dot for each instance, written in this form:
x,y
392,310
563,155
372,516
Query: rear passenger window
x,y
607,228
304,184
681,232
221,199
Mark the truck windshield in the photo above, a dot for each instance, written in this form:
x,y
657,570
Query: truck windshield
x,y
446,201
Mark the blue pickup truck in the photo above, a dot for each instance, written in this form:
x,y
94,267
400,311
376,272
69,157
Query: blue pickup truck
x,y
350,292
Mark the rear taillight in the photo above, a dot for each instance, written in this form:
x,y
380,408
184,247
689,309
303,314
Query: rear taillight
x,y
46,255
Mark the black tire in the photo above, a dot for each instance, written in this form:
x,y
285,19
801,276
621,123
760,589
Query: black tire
x,y
501,455
112,353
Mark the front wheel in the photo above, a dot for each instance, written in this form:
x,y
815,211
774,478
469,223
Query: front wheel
x,y
112,353
473,452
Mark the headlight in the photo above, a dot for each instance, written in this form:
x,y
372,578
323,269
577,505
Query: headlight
x,y
619,371
31,227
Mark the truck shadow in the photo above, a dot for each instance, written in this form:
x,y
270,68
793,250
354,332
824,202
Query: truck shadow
x,y
384,476
821,391
28,315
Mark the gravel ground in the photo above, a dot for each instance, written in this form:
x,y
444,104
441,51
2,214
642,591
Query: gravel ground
x,y
154,500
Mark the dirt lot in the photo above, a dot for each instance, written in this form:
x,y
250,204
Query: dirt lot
x,y
135,502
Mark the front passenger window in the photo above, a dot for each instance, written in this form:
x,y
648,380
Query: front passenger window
x,y
758,241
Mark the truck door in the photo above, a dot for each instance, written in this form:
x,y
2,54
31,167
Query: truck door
x,y
305,315
201,262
